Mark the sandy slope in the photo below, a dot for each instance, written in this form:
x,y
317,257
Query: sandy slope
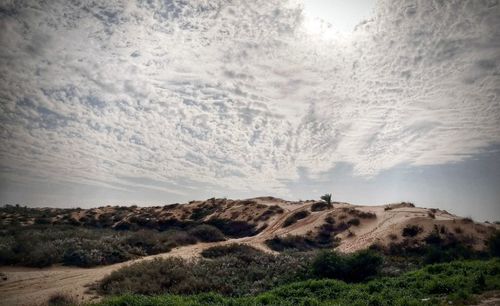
x,y
28,286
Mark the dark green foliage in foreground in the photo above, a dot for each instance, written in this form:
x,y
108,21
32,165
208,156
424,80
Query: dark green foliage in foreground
x,y
432,285
494,244
228,271
442,246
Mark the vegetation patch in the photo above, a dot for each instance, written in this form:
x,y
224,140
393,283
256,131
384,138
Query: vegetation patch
x,y
411,230
201,212
319,206
241,251
450,283
207,233
233,228
295,217
271,211
359,213
45,245
354,221
350,268
298,243
61,299
228,275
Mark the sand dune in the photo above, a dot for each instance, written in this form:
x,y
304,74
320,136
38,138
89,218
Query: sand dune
x,y
28,286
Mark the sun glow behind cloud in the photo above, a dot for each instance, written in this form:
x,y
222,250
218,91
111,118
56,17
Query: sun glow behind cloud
x,y
335,18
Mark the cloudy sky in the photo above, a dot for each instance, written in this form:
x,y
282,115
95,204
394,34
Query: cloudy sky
x,y
155,102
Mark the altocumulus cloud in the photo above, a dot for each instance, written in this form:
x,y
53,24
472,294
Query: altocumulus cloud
x,y
237,94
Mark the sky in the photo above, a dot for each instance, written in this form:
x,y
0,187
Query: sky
x,y
155,102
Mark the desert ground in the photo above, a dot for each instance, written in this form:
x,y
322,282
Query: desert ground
x,y
30,286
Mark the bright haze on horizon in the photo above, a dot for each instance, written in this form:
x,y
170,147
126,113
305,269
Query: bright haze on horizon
x,y
155,102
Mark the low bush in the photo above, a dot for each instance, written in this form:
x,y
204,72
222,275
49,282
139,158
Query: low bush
x,y
411,230
452,283
438,253
232,228
319,206
494,244
45,245
350,268
242,251
467,220
271,211
354,222
359,213
228,275
291,242
295,217
330,219
201,212
62,299
207,233
92,253
327,198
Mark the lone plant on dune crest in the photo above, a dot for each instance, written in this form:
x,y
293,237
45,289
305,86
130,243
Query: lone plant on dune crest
x,y
327,197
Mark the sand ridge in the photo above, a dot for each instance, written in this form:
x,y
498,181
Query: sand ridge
x,y
31,286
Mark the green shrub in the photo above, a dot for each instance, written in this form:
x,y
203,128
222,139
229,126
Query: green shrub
x,y
295,217
354,222
319,206
330,219
327,198
291,242
43,245
411,230
207,233
359,213
201,212
91,253
151,277
351,268
437,284
61,299
241,251
323,239
362,265
229,275
494,244
232,228
329,264
467,220
271,211
42,220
